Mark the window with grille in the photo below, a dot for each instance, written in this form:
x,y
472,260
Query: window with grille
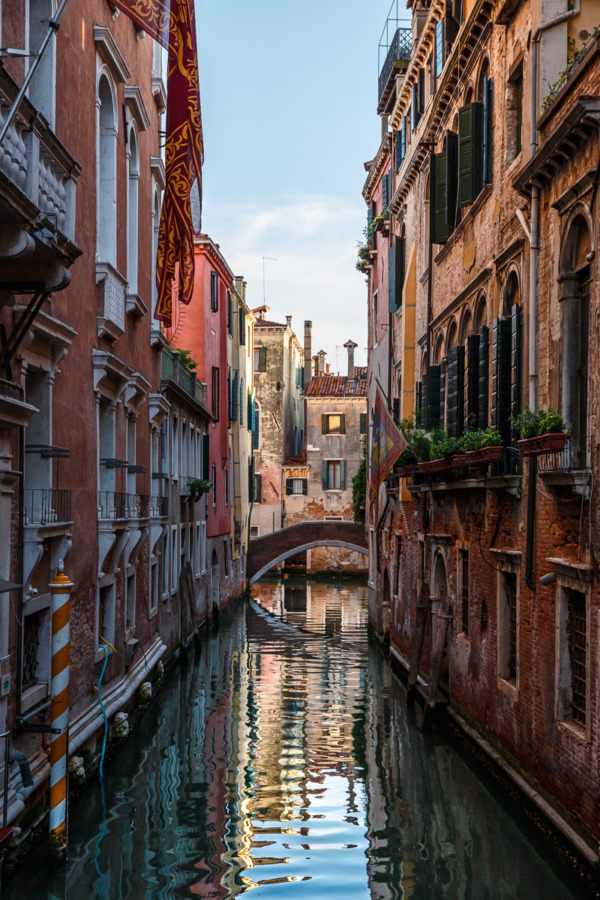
x,y
31,643
214,291
508,624
463,561
576,642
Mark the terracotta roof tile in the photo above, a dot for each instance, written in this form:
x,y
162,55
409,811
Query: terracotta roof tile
x,y
266,324
296,460
338,385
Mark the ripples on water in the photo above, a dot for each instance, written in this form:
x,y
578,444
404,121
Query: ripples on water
x,y
281,759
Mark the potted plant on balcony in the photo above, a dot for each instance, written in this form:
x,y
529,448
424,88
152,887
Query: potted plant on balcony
x,y
197,487
482,445
438,461
541,430
406,462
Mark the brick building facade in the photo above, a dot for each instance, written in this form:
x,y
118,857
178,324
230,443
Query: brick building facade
x,y
482,278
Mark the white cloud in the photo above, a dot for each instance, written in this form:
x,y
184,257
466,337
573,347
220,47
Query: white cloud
x,y
313,239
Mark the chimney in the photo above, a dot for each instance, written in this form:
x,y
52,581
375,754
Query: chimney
x,y
350,345
307,352
288,322
315,366
321,355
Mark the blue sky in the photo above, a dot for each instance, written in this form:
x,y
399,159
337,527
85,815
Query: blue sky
x,y
289,94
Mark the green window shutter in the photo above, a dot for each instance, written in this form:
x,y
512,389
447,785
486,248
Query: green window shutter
x,y
456,369
258,480
206,457
289,486
392,249
439,230
471,389
443,380
423,411
484,357
400,148
234,396
323,424
324,483
501,376
249,412
305,486
363,423
242,326
488,105
451,178
434,396
343,475
400,269
516,369
262,359
369,218
385,192
470,140
342,424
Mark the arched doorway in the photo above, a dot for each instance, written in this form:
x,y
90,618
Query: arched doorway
x,y
575,279
440,609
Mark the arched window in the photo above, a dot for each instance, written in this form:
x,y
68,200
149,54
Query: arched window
x,y
575,280
106,248
155,226
42,89
256,431
133,176
485,96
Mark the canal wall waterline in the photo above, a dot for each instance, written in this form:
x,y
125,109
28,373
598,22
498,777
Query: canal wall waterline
x,y
532,793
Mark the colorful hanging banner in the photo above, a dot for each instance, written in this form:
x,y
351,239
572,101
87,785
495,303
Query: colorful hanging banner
x,y
387,444
172,23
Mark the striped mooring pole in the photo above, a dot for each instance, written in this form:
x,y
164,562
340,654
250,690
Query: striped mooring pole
x,y
59,711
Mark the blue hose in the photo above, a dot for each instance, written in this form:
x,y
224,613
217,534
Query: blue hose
x,y
102,754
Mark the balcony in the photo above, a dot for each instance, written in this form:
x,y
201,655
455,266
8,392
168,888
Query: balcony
x,y
569,470
119,505
46,506
37,200
159,507
396,56
468,471
173,370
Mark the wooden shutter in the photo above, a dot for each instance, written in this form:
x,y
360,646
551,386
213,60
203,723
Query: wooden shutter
x,y
342,475
229,313
470,139
443,380
501,374
343,424
399,148
418,403
487,129
258,483
437,205
234,396
289,486
415,105
385,192
324,469
369,217
439,48
363,423
323,424
396,409
262,359
451,178
456,368
451,27
516,368
305,486
400,268
483,388
421,90
423,411
242,325
471,390
392,305
206,456
434,396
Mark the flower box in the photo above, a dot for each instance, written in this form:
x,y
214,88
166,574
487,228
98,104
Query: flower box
x,y
489,454
543,443
434,465
458,460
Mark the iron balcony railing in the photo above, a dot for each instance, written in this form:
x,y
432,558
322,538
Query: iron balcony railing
x,y
569,459
399,51
44,506
119,505
174,370
159,506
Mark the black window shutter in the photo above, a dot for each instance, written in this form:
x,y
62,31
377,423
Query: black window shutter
x,y
501,376
343,424
400,268
470,139
305,486
451,178
484,356
323,424
443,381
451,27
472,381
289,486
262,359
324,473
258,480
229,314
456,367
415,105
242,326
516,374
418,418
399,148
392,304
363,423
437,205
205,456
422,89
396,410
424,412
434,396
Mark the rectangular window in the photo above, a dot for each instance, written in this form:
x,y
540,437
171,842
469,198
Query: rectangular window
x,y
254,531
333,424
214,291
257,488
385,192
165,563
296,486
106,612
226,486
174,557
175,452
573,657
514,113
229,314
363,423
242,325
214,485
439,48
507,626
215,393
260,359
463,564
334,475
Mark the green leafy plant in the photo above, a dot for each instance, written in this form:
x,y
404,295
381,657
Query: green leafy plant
x,y
532,423
359,487
185,358
199,486
551,422
475,439
443,445
408,457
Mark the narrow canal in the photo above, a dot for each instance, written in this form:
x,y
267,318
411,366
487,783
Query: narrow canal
x,y
281,758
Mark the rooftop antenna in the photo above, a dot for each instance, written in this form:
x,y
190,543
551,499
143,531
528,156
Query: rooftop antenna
x,y
271,259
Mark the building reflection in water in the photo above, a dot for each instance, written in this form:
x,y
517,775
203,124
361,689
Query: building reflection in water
x,y
280,758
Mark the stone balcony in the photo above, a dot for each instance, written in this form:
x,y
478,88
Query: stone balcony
x,y
38,181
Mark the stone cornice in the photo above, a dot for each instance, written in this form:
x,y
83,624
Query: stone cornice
x,y
109,51
377,166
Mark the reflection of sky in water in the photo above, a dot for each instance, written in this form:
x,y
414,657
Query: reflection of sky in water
x,y
281,760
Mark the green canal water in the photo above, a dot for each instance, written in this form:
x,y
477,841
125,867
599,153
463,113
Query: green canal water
x,y
280,759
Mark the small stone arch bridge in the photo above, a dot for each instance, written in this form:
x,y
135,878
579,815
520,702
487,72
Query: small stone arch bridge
x,y
270,549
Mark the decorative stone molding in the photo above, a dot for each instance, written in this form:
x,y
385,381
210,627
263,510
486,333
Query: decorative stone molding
x,y
135,306
109,52
158,408
157,167
159,93
111,375
134,102
136,392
